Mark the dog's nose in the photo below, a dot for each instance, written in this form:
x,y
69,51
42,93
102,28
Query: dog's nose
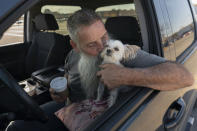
x,y
108,51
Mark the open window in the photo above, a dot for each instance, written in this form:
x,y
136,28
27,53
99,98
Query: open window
x,y
15,34
122,23
61,14
124,19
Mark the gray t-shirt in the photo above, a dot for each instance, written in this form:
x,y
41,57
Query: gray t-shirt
x,y
76,93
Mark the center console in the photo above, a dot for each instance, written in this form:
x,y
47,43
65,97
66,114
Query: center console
x,y
38,85
44,76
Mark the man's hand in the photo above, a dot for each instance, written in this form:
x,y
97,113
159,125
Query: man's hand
x,y
56,97
111,75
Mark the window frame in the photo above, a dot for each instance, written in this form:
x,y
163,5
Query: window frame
x,y
125,111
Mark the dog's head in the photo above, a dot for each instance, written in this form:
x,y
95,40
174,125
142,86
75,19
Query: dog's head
x,y
113,51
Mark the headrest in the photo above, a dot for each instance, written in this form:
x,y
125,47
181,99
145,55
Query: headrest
x,y
124,28
45,22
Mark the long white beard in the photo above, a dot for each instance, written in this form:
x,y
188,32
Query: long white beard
x,y
88,67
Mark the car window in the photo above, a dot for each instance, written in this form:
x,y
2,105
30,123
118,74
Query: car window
x,y
165,30
15,34
116,10
61,14
177,32
125,28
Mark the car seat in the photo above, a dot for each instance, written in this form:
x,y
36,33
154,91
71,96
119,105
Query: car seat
x,y
124,28
47,48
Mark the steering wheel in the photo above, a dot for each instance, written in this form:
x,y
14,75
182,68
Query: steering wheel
x,y
21,95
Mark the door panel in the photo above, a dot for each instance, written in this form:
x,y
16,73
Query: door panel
x,y
151,118
12,58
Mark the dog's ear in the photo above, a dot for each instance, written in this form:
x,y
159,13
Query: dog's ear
x,y
130,52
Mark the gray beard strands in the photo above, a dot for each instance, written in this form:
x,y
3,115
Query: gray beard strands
x,y
88,67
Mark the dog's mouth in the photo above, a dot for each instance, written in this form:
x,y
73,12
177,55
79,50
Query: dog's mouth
x,y
109,54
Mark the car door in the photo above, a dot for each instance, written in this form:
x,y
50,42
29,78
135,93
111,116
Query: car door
x,y
13,44
166,15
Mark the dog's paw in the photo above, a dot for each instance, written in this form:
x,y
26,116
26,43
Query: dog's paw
x,y
111,101
100,92
112,98
98,99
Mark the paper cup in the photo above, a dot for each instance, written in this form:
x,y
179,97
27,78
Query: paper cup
x,y
59,84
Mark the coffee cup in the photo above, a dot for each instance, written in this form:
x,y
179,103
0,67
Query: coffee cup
x,y
59,85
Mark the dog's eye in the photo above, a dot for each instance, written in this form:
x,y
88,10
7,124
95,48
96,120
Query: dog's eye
x,y
116,49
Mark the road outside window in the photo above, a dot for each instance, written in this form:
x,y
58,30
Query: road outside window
x,y
15,34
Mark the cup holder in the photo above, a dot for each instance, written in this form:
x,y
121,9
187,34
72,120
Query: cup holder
x,y
31,82
23,85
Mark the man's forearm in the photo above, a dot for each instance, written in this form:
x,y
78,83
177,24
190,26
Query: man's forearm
x,y
165,76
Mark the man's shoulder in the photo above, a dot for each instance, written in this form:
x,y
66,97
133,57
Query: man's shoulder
x,y
72,56
144,59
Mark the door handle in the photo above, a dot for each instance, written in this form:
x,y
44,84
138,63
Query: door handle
x,y
174,113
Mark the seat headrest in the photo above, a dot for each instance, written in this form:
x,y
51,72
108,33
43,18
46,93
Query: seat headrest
x,y
124,28
45,22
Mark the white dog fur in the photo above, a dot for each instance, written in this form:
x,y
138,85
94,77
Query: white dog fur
x,y
114,52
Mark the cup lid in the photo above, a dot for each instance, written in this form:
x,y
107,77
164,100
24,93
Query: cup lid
x,y
59,84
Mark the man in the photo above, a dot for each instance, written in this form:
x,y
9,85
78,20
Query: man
x,y
88,37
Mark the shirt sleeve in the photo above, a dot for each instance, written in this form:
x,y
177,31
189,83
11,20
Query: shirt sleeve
x,y
66,65
144,59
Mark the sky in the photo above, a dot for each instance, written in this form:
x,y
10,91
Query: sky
x,y
194,2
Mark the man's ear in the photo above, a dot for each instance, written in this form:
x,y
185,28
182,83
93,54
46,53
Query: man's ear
x,y
74,45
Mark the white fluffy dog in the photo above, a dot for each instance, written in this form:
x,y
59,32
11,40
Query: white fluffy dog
x,y
115,52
